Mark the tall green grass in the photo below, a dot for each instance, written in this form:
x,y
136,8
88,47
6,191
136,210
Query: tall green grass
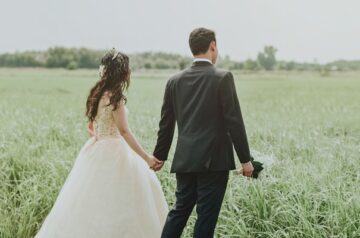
x,y
311,125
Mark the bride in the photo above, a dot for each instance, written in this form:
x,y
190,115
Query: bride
x,y
111,191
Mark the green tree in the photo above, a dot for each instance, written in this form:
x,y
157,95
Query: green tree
x,y
88,58
267,59
250,64
182,64
72,65
147,66
237,66
59,57
290,65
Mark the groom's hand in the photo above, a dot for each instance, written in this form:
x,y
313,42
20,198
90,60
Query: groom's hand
x,y
247,169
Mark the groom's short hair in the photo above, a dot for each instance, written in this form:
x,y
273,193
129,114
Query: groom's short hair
x,y
200,39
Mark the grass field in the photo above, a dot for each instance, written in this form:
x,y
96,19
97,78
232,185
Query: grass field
x,y
310,124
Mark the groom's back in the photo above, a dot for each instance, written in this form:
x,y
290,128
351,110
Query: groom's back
x,y
202,140
195,99
202,100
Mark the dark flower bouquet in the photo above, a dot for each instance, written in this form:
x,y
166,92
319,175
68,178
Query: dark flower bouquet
x,y
258,167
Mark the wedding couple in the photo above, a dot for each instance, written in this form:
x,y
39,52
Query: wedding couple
x,y
112,190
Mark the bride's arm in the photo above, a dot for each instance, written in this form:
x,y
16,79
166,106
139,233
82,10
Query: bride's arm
x,y
120,118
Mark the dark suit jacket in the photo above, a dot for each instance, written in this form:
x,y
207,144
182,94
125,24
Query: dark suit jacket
x,y
202,100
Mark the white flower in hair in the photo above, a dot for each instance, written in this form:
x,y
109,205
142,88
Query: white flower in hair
x,y
101,70
115,54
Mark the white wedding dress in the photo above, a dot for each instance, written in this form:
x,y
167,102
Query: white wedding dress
x,y
110,191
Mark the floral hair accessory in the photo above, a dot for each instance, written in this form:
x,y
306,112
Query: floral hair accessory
x,y
101,70
115,54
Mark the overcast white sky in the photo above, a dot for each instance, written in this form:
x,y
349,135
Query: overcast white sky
x,y
302,30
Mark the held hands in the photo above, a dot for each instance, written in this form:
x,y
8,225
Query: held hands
x,y
154,163
247,169
158,165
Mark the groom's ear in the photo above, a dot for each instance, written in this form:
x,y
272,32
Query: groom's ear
x,y
213,51
212,46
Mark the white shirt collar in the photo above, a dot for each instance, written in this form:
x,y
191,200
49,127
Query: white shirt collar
x,y
201,60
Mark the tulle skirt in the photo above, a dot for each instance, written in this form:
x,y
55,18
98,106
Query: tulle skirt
x,y
110,192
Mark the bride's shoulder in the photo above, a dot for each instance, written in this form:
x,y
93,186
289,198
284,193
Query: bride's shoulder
x,y
123,104
106,95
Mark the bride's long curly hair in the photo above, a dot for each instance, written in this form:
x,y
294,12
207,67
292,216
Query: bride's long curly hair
x,y
114,79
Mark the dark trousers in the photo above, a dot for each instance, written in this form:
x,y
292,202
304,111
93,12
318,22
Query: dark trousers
x,y
206,190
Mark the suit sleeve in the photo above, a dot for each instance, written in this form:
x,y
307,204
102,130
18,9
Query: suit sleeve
x,y
166,127
233,117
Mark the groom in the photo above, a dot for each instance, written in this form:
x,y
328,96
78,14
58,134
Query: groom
x,y
202,100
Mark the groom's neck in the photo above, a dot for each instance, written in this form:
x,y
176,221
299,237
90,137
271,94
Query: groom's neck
x,y
203,56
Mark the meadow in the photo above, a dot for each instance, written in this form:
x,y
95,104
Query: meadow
x,y
309,123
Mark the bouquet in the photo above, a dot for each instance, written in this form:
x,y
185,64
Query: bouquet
x,y
258,167
262,161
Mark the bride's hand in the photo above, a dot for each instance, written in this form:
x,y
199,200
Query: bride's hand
x,y
152,161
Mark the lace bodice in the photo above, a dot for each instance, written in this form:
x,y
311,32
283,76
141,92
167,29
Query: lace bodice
x,y
104,124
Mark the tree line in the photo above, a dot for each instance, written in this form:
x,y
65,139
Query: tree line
x,y
74,58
